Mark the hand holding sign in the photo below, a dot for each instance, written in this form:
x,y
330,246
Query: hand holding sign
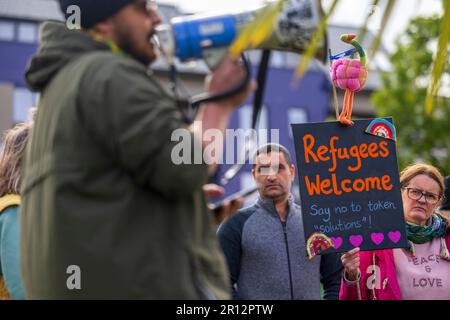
x,y
351,261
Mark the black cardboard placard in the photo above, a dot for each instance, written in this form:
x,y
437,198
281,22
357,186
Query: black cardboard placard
x,y
349,185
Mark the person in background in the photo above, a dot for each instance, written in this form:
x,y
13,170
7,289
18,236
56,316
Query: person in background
x,y
108,210
264,244
10,177
422,271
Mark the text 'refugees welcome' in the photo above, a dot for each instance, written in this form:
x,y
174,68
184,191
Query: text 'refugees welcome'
x,y
318,185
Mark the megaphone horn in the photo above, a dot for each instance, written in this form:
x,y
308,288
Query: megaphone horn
x,y
208,36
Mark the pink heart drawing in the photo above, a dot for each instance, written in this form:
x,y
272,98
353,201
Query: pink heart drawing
x,y
377,238
394,236
337,242
356,240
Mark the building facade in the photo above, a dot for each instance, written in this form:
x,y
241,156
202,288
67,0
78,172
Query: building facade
x,y
285,101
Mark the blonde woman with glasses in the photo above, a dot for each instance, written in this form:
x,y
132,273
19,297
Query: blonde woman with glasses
x,y
10,175
420,272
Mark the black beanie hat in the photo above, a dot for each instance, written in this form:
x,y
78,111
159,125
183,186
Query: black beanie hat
x,y
446,203
94,11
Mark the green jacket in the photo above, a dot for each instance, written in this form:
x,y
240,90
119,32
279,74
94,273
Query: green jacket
x,y
100,190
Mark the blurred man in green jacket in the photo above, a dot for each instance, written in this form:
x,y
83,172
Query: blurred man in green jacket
x,y
106,212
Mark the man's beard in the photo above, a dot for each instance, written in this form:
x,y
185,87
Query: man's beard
x,y
125,42
275,194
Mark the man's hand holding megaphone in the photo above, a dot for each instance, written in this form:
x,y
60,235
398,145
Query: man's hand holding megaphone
x,y
229,74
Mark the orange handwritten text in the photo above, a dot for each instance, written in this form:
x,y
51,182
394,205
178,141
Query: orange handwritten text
x,y
331,153
318,186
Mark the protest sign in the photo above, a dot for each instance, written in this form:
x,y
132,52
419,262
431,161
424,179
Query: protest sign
x,y
349,185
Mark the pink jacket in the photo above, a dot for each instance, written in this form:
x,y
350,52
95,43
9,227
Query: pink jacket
x,y
371,287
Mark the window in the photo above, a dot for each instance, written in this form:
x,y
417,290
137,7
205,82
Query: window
x,y
292,59
248,181
277,59
245,122
27,32
23,100
6,31
245,117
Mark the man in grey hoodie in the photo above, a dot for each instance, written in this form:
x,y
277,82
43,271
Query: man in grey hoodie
x,y
264,244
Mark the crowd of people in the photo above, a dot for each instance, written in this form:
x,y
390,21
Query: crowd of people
x,y
90,182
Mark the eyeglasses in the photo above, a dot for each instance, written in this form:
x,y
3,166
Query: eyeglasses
x,y
416,194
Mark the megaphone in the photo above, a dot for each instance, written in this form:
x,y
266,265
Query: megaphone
x,y
207,36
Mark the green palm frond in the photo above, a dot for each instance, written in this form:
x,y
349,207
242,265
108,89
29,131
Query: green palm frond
x,y
440,60
258,30
315,42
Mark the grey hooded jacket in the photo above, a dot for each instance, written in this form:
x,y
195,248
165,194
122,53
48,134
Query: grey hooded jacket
x,y
267,257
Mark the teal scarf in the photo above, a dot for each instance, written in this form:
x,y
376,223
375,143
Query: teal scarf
x,y
418,234
437,228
